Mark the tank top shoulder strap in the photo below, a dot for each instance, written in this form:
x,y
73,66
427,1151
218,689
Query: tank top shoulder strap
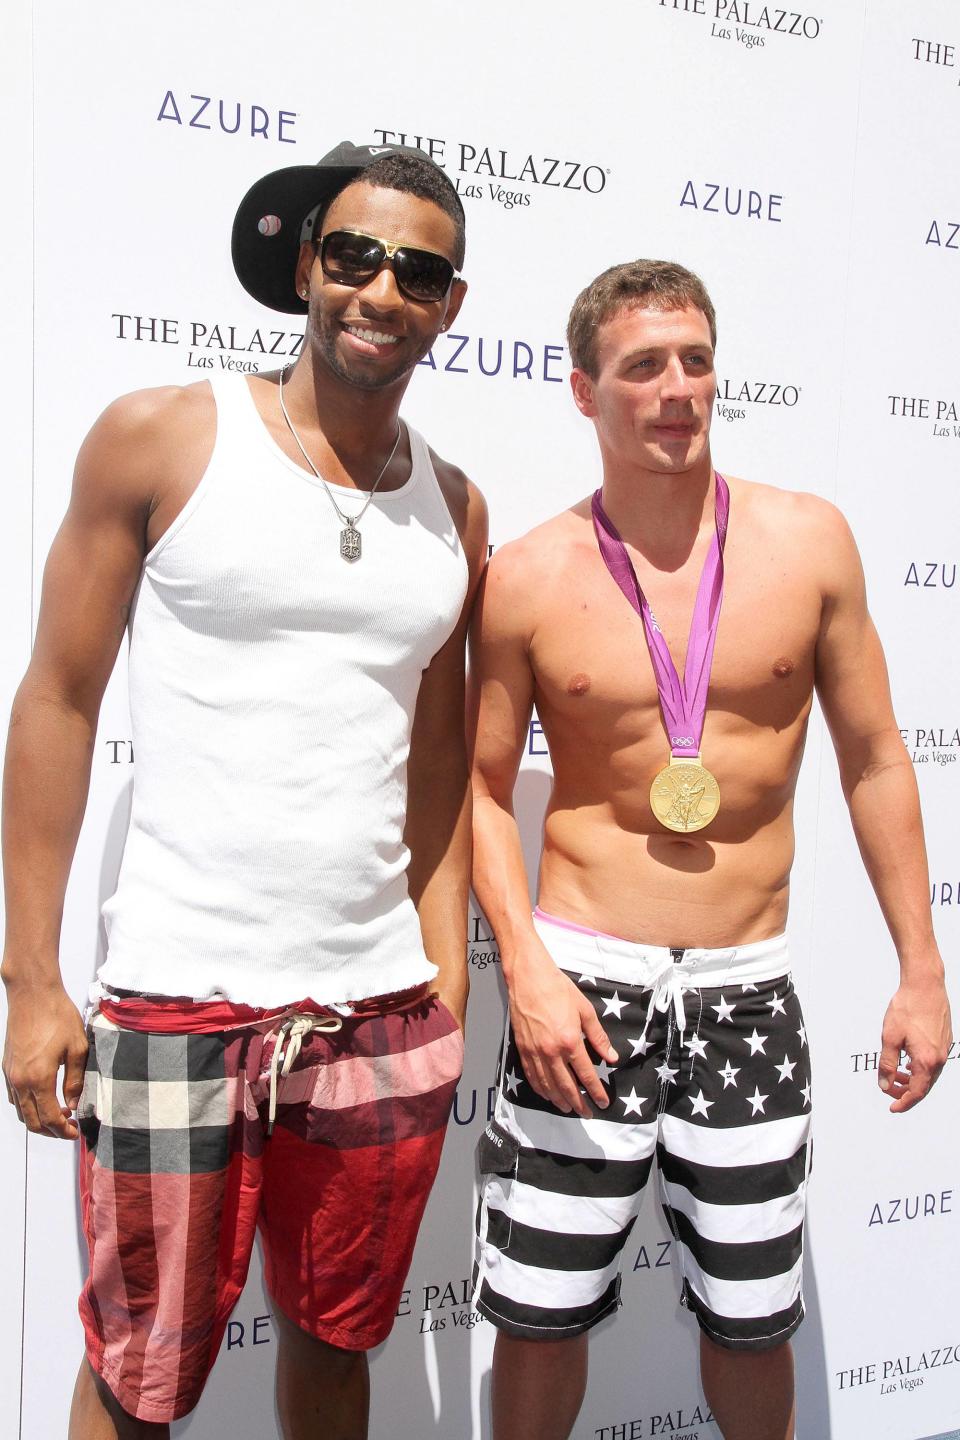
x,y
228,418
423,473
236,408
420,454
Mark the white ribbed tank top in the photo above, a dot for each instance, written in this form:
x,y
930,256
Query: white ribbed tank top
x,y
272,694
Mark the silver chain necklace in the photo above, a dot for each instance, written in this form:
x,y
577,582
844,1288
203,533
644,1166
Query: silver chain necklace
x,y
350,541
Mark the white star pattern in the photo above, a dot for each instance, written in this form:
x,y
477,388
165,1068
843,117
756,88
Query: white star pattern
x,y
700,1105
640,1046
696,1046
757,1101
724,1010
605,1071
745,988
805,1092
802,1032
756,1042
513,1082
786,1069
614,1005
729,1075
632,1102
777,1006
588,980
666,1074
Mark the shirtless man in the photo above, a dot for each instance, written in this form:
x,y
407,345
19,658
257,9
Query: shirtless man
x,y
276,1029
659,947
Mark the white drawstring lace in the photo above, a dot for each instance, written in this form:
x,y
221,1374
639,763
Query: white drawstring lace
x,y
667,990
287,1048
669,983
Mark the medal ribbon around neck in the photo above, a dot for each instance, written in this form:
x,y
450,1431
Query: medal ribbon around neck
x,y
682,800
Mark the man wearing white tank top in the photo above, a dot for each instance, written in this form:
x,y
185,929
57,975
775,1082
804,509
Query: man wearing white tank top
x,y
275,1035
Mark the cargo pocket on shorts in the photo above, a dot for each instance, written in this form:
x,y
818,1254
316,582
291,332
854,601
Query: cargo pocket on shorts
x,y
497,1151
498,1157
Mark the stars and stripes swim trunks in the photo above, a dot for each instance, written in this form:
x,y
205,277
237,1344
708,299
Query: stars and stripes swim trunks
x,y
713,1079
180,1164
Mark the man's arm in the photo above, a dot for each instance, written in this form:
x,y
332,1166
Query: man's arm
x,y
89,581
437,830
550,1016
881,792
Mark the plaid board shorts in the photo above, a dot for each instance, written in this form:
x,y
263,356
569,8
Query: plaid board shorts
x,y
178,1169
714,1079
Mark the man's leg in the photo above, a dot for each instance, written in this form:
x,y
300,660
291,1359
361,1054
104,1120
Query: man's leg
x,y
347,1174
749,1392
559,1197
168,1246
734,1160
321,1390
538,1387
95,1413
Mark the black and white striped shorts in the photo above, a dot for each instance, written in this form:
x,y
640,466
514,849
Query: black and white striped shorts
x,y
714,1078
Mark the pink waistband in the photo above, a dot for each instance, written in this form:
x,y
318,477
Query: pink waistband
x,y
598,953
569,925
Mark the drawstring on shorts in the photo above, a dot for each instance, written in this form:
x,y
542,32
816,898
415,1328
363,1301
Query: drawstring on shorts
x,y
669,984
290,1037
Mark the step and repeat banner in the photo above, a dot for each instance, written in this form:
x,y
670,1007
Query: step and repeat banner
x,y
804,163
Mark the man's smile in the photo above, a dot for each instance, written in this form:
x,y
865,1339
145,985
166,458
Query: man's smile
x,y
370,340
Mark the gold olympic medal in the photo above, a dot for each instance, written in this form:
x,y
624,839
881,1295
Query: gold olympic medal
x,y
684,795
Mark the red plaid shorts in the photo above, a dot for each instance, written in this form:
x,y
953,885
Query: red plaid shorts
x,y
178,1169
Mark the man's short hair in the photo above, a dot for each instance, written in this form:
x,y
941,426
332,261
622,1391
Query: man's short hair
x,y
417,177
660,284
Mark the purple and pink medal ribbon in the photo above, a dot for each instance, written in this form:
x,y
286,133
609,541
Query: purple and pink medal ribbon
x,y
684,705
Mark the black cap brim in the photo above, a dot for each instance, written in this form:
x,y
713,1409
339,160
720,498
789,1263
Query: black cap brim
x,y
266,230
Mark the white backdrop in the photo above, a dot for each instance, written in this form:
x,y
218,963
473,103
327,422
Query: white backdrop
x,y
804,163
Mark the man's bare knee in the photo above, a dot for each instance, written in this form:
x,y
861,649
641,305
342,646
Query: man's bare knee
x,y
96,1413
723,1354
302,1348
547,1353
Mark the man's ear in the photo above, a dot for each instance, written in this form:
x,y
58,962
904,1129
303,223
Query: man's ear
x,y
582,387
304,267
457,292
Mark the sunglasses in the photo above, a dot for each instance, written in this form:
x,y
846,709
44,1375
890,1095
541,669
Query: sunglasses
x,y
349,258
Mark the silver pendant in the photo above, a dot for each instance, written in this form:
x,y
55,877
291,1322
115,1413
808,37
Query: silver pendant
x,y
350,543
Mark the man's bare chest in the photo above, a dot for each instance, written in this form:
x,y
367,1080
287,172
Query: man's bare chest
x,y
592,664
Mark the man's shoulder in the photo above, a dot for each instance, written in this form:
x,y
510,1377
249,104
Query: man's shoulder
x,y
542,551
454,482
144,442
524,572
156,415
464,501
794,513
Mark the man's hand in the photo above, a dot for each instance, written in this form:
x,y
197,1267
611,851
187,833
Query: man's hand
x,y
918,1022
551,1019
44,1032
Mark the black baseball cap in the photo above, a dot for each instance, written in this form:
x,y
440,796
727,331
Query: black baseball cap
x,y
278,214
